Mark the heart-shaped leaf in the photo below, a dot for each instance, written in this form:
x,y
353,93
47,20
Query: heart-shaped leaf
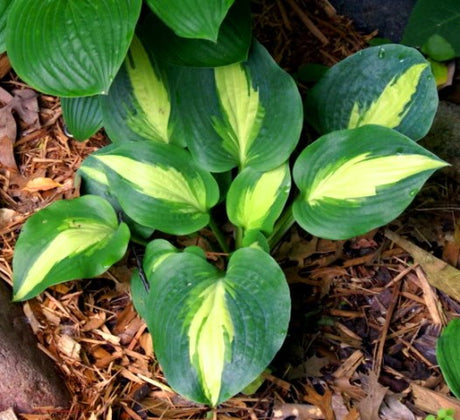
x,y
70,239
70,48
255,199
214,332
447,354
4,9
138,106
244,114
231,46
83,116
94,181
352,181
389,85
159,186
192,18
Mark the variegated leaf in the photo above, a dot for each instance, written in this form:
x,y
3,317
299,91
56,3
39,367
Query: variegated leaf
x,y
159,186
389,85
242,115
214,332
65,241
138,106
255,199
94,181
355,180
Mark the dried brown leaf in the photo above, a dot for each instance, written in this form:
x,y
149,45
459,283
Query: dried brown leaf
x,y
311,367
41,184
298,248
369,406
7,124
343,385
25,103
297,411
323,402
393,409
339,407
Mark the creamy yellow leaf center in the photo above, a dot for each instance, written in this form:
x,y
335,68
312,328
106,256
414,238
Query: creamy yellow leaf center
x,y
69,242
152,97
240,104
210,335
361,176
162,183
393,104
258,199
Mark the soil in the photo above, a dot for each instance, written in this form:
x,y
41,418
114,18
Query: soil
x,y
365,317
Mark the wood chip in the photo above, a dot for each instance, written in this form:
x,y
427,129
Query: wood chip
x,y
69,347
8,415
431,300
431,401
5,65
349,366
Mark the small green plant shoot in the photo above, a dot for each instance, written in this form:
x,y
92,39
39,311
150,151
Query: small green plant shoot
x,y
442,414
206,124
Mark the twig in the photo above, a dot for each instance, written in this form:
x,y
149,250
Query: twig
x,y
284,15
430,298
308,23
383,337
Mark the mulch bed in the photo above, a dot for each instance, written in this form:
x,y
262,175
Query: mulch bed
x,y
365,318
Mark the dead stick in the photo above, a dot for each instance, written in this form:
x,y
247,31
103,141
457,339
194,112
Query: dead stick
x,y
308,23
284,14
379,354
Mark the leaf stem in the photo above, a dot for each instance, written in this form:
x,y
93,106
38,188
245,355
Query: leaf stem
x,y
282,226
138,241
219,235
238,237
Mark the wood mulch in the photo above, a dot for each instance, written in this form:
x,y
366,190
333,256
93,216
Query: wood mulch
x,y
365,318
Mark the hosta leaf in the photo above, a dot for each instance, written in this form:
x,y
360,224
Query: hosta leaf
x,y
214,332
389,85
231,46
94,181
159,186
83,116
67,240
192,18
70,48
447,354
438,48
138,106
4,9
352,181
255,239
437,21
244,114
255,199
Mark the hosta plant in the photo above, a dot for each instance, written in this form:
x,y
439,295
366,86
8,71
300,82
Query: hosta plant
x,y
195,139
